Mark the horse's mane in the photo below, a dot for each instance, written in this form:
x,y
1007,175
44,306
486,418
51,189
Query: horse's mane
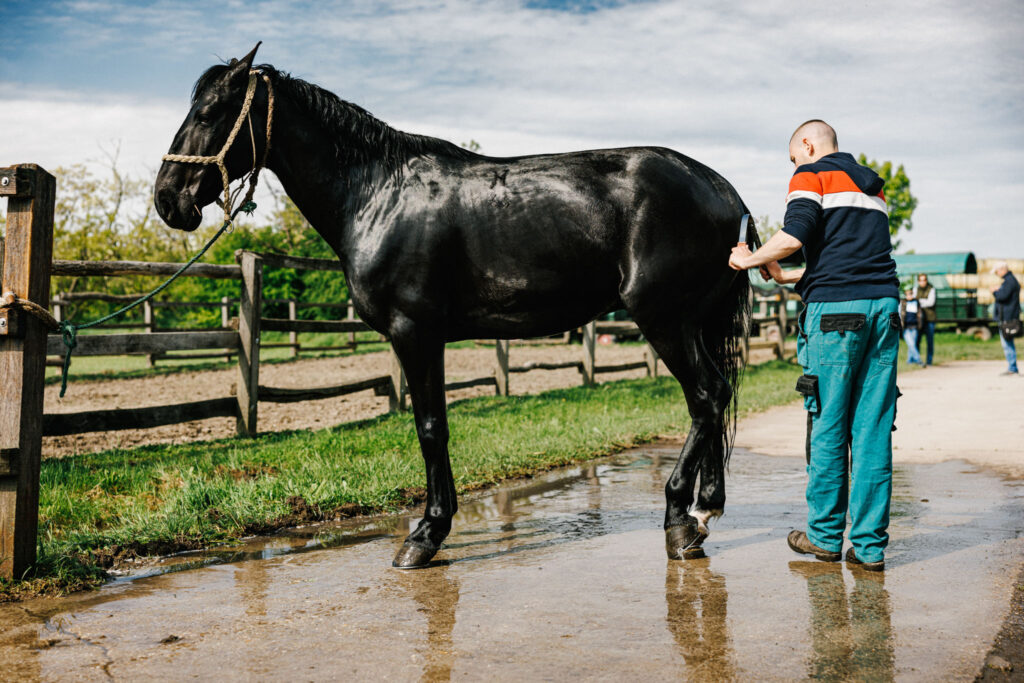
x,y
359,137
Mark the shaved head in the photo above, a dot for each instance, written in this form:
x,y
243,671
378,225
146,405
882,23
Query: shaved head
x,y
810,141
818,132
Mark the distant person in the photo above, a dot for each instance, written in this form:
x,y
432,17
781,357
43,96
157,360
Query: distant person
x,y
925,295
913,322
1007,313
848,343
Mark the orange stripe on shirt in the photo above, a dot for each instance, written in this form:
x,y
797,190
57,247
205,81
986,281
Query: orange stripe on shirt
x,y
805,182
839,181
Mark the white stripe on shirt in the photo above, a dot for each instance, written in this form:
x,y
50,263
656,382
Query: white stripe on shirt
x,y
857,200
803,194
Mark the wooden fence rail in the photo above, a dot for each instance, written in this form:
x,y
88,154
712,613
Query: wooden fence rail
x,y
149,323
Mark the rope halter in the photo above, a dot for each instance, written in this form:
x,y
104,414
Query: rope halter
x,y
218,159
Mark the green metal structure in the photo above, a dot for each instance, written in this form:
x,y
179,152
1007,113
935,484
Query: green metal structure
x,y
951,305
957,306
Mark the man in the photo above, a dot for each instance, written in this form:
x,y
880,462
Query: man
x,y
913,322
1007,296
925,295
849,341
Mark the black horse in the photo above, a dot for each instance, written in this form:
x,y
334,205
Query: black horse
x,y
440,244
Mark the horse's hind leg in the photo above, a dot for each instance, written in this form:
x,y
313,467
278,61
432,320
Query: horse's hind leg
x,y
707,398
423,363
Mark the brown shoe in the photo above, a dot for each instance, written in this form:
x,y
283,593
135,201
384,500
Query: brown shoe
x,y
851,558
799,542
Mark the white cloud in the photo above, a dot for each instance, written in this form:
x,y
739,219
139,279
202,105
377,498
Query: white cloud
x,y
934,86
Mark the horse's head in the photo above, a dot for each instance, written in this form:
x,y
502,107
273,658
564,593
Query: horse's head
x,y
183,188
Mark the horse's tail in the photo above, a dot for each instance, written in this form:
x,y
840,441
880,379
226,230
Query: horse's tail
x,y
724,336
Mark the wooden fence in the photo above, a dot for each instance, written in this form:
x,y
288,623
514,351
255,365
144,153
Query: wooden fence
x,y
24,345
228,321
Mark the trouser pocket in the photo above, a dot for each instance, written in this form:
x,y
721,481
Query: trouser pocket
x,y
836,347
889,345
807,386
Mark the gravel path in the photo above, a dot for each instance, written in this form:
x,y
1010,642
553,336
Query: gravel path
x,y
460,364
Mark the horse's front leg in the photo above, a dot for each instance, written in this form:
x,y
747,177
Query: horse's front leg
x,y
423,363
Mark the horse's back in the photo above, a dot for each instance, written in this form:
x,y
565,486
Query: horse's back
x,y
531,245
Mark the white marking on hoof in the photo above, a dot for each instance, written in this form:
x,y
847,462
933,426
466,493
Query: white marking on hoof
x,y
705,516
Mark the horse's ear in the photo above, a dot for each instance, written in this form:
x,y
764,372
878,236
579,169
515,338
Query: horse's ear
x,y
248,59
241,67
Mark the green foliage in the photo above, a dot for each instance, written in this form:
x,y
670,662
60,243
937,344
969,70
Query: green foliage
x,y
898,197
766,227
110,217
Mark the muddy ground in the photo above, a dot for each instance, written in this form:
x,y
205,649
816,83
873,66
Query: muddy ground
x,y
460,364
561,577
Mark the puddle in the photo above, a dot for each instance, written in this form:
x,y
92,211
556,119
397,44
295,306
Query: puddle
x,y
564,575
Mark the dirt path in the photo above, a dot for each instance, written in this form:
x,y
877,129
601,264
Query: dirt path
x,y
460,364
963,410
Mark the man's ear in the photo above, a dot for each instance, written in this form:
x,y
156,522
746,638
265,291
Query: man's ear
x,y
808,147
240,67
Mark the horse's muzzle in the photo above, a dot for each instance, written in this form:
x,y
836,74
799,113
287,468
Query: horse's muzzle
x,y
178,209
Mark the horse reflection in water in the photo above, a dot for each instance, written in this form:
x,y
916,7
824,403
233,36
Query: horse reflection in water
x,y
437,595
440,244
698,620
851,637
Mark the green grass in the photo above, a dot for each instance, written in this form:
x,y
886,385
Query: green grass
x,y
950,346
97,509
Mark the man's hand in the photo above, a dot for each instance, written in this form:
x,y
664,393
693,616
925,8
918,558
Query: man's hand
x,y
739,258
772,271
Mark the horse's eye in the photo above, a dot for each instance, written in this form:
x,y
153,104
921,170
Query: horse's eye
x,y
203,115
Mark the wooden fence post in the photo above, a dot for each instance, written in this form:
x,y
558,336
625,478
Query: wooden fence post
x,y
26,272
651,356
250,310
589,345
501,367
147,318
783,324
397,393
293,336
351,315
225,319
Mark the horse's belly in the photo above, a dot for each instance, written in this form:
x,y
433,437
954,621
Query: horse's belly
x,y
502,312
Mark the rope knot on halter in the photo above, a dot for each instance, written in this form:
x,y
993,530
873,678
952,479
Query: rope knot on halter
x,y
218,159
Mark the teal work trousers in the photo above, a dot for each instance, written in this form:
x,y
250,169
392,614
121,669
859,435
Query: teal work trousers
x,y
848,350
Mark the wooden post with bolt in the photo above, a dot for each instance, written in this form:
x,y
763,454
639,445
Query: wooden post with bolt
x,y
25,273
250,311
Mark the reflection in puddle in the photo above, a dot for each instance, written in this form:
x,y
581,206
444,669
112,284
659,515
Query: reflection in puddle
x,y
851,639
437,594
697,618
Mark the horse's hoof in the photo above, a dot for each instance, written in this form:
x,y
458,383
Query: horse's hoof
x,y
413,556
683,542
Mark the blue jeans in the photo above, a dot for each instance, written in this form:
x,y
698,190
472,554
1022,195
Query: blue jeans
x,y
1010,351
928,331
851,418
912,336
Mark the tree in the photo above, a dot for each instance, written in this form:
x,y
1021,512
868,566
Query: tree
x,y
900,201
766,227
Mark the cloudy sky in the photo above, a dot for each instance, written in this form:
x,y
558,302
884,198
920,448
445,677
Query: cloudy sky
x,y
936,86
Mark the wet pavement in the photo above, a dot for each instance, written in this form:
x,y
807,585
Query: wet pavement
x,y
562,577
